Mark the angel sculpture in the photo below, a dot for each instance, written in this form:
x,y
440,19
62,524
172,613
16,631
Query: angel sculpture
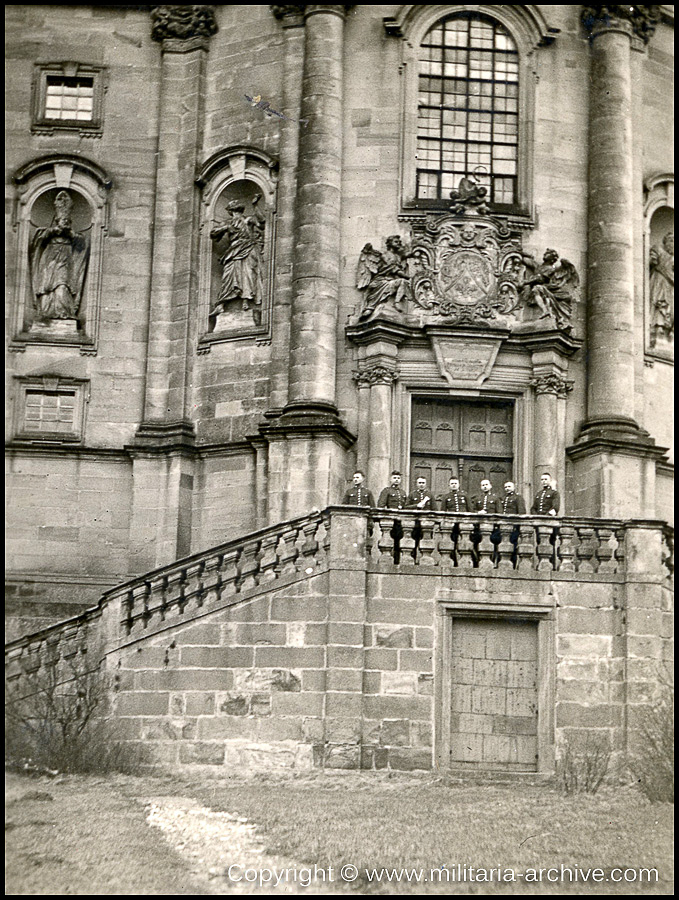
x,y
383,276
470,196
551,286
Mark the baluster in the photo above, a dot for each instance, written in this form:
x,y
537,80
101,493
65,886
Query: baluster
x,y
566,549
408,555
310,548
299,544
619,552
465,551
268,558
182,599
229,572
445,542
585,552
604,552
143,592
485,548
248,566
506,549
383,546
200,585
545,548
287,552
426,544
526,560
128,611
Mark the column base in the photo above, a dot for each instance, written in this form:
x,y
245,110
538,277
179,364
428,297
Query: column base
x,y
306,459
613,467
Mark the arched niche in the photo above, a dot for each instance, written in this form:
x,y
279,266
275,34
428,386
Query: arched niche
x,y
659,266
60,225
237,239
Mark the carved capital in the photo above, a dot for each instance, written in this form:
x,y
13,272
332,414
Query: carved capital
x,y
375,375
552,384
182,23
294,10
641,19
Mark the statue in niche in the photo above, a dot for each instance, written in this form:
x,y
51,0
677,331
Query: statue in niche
x,y
240,242
550,285
384,276
58,258
661,289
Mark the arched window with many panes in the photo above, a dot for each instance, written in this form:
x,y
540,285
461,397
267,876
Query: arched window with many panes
x,y
468,109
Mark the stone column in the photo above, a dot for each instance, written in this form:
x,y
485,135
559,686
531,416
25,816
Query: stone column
x,y
292,20
379,458
315,280
551,390
611,444
307,442
163,450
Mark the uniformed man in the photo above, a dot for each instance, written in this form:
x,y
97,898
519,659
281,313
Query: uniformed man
x,y
486,501
393,496
358,495
512,504
420,498
455,500
547,500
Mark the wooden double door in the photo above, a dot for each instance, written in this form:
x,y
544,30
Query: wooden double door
x,y
468,439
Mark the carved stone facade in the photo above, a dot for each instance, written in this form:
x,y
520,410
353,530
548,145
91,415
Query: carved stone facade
x,y
300,245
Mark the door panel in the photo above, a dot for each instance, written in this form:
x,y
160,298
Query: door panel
x,y
470,439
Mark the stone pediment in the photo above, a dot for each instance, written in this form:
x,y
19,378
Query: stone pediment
x,y
466,270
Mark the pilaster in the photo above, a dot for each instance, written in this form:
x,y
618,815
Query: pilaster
x,y
163,450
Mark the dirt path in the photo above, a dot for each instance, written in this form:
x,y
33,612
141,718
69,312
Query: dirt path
x,y
75,835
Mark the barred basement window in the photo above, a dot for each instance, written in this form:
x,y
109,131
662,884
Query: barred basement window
x,y
49,411
50,408
68,96
468,109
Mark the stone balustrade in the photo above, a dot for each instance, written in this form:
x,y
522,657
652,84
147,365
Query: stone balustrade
x,y
405,541
493,543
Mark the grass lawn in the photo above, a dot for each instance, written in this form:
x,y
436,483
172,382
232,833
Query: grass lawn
x,y
420,822
92,836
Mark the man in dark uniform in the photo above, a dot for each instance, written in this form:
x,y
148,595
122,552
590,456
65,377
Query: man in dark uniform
x,y
486,501
393,496
512,504
455,500
547,500
358,495
420,498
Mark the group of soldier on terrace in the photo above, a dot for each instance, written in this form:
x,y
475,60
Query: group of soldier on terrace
x,y
546,502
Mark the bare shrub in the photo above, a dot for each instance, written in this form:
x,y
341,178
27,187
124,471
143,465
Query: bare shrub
x,y
653,764
583,764
55,722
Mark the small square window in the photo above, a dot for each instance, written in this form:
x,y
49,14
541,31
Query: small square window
x,y
68,96
50,408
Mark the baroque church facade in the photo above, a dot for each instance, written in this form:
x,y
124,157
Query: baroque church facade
x,y
254,249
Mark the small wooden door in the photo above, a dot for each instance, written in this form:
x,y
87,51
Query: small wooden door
x,y
494,694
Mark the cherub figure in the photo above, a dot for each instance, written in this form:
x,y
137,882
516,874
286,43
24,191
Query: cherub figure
x,y
383,276
550,286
